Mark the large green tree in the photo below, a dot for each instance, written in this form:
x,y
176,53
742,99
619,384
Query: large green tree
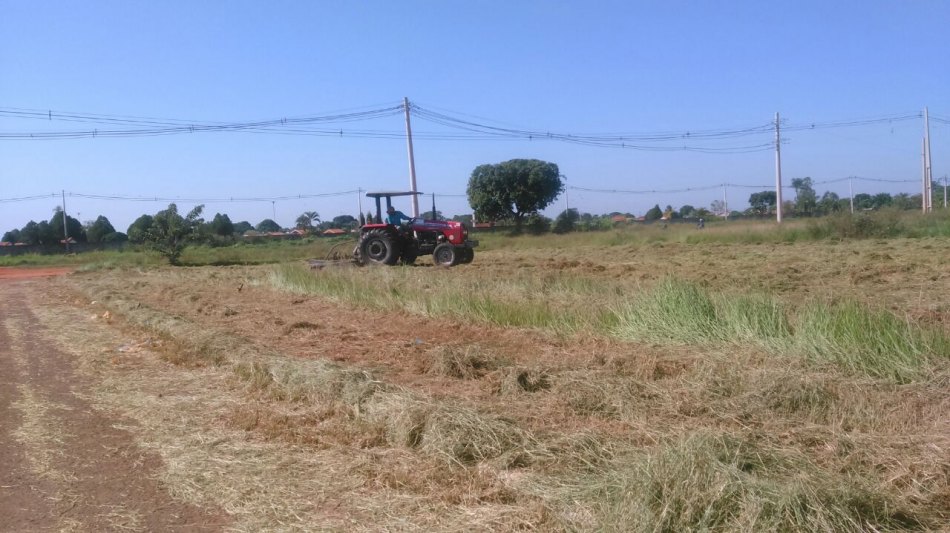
x,y
566,221
267,225
221,225
806,200
138,230
11,236
99,229
74,227
762,203
171,232
513,189
39,233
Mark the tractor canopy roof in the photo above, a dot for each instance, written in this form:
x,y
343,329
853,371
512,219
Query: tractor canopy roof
x,y
384,194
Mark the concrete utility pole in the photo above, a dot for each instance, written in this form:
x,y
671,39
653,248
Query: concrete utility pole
x,y
851,191
778,171
928,167
412,161
944,191
65,228
923,181
725,203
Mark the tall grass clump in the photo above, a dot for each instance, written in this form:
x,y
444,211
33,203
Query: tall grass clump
x,y
299,280
850,335
879,224
706,482
865,341
685,313
515,302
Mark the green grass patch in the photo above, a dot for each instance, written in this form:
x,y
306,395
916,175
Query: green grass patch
x,y
852,336
521,302
864,341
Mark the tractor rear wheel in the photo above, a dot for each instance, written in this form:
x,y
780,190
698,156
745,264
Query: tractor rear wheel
x,y
378,246
445,255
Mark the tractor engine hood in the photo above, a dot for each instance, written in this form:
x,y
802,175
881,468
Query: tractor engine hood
x,y
435,225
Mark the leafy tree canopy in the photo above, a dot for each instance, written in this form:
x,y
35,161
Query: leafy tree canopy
x,y
11,236
139,229
566,220
242,226
806,200
170,232
268,225
345,222
762,203
222,225
307,219
654,213
513,189
74,228
99,229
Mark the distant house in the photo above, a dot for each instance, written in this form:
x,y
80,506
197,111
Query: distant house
x,y
619,219
333,232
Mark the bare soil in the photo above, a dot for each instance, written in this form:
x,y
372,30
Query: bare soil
x,y
66,465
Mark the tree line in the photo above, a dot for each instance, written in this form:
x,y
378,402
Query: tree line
x,y
514,191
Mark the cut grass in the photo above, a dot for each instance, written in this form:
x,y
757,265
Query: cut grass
x,y
708,482
419,445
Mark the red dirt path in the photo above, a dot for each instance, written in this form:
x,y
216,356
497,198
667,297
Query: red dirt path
x,y
8,273
92,475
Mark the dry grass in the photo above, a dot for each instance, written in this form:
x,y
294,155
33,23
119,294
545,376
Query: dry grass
x,y
462,362
725,433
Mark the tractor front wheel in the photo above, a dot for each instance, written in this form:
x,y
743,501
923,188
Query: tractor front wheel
x,y
445,255
378,247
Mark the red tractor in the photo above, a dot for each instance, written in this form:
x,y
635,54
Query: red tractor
x,y
386,244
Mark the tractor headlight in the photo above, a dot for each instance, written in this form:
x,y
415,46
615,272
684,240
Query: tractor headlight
x,y
451,237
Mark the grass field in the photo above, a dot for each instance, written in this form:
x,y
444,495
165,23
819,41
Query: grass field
x,y
735,378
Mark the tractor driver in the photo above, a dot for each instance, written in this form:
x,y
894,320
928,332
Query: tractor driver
x,y
395,217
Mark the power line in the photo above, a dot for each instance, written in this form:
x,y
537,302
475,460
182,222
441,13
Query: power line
x,y
465,129
114,197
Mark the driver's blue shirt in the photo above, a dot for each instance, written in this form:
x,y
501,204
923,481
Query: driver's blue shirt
x,y
396,217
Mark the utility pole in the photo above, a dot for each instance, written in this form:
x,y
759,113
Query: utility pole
x,y
273,208
725,203
778,171
65,227
923,183
567,195
851,191
944,191
412,161
359,200
928,168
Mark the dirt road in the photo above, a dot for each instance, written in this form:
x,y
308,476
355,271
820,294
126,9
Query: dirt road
x,y
64,465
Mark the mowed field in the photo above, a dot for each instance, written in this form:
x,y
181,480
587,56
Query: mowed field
x,y
583,382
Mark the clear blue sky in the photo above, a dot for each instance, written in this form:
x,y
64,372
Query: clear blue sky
x,y
566,67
